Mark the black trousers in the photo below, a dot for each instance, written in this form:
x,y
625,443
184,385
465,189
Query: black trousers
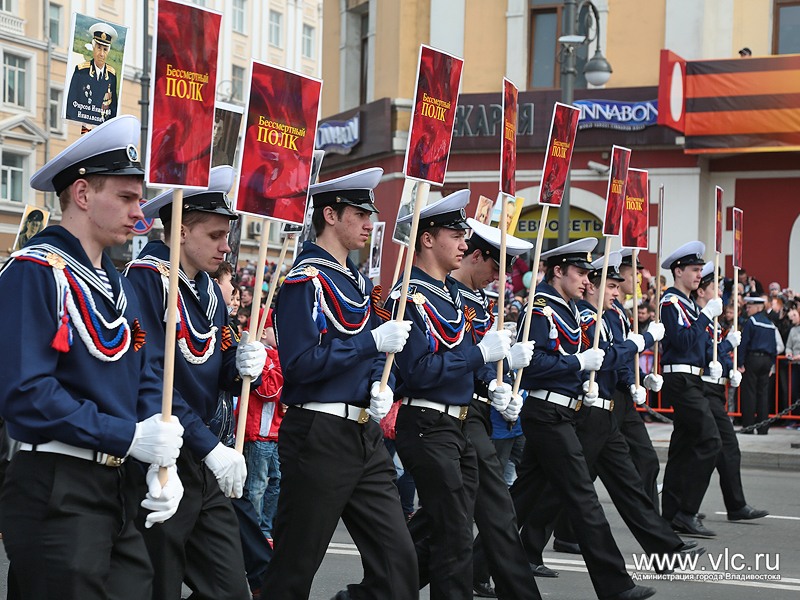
x,y
641,448
442,460
255,550
693,448
729,459
607,454
68,530
554,472
200,544
334,468
498,551
755,389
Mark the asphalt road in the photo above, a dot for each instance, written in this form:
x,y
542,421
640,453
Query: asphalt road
x,y
774,538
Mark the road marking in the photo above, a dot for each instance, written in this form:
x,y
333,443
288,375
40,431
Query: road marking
x,y
767,517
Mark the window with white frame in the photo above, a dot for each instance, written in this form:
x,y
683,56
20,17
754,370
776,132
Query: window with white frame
x,y
7,6
237,83
308,41
54,120
15,80
54,23
275,28
239,9
12,176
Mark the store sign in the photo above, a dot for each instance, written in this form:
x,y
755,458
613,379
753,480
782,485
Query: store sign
x,y
581,224
339,137
475,120
614,114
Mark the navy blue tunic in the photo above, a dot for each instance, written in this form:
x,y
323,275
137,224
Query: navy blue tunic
x,y
758,335
685,332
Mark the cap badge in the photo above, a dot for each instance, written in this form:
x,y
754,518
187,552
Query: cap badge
x,y
55,261
463,214
588,257
132,152
310,271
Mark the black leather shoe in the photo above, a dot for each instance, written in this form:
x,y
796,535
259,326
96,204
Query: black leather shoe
x,y
543,571
746,513
687,524
701,516
568,547
637,592
342,595
483,589
685,551
689,544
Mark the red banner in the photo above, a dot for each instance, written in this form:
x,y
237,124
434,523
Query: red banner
x,y
563,129
635,215
738,215
278,147
718,220
182,102
615,194
508,144
431,129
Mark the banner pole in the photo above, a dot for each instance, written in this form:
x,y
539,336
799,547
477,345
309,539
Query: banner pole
x,y
635,312
171,331
716,295
658,273
735,312
501,279
398,263
422,200
526,327
244,397
599,322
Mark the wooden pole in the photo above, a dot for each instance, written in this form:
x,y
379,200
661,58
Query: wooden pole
x,y
658,273
526,327
273,285
398,264
716,295
599,322
172,313
501,279
635,318
244,398
735,313
422,200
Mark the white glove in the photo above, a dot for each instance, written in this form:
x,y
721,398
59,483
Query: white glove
x,y
250,357
638,394
164,501
735,377
229,468
656,330
521,355
653,382
714,369
391,337
495,345
499,394
511,413
734,337
713,308
379,401
590,393
636,339
591,359
157,441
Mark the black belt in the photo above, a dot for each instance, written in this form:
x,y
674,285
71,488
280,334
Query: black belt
x,y
760,353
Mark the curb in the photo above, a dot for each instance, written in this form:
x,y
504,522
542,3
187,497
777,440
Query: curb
x,y
784,461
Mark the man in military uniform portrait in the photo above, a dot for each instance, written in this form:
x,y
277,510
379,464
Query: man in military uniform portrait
x,y
93,90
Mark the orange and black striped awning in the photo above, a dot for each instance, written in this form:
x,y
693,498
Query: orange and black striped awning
x,y
743,105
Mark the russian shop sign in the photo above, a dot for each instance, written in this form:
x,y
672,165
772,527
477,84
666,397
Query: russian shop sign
x,y
614,114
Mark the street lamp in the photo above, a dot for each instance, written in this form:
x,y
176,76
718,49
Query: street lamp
x,y
597,72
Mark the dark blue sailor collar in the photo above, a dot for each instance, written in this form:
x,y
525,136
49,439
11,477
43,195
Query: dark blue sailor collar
x,y
549,292
202,290
315,254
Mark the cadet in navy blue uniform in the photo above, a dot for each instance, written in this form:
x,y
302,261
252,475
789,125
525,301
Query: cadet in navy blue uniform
x,y
760,346
333,460
604,446
729,459
499,553
436,379
78,390
553,454
201,544
695,440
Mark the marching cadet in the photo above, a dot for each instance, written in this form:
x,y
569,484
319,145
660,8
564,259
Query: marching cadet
x,y
78,389
604,446
501,553
334,463
729,459
695,440
201,544
761,343
92,96
436,374
553,460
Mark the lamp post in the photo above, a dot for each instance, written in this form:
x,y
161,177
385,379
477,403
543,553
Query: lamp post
x,y
597,72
